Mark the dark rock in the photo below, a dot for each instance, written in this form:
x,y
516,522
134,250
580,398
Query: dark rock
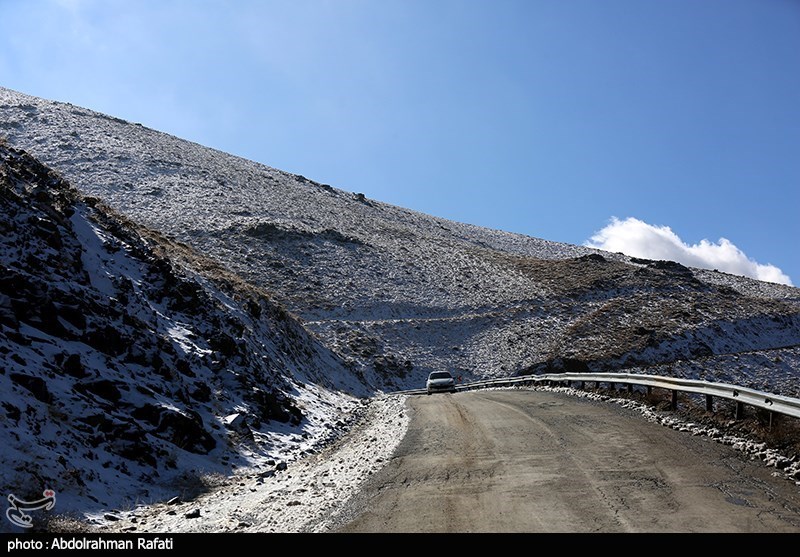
x,y
253,308
672,267
388,364
102,388
195,513
186,432
266,231
47,321
148,413
12,412
782,463
100,422
36,385
130,442
7,315
145,390
216,365
74,367
72,313
137,355
224,344
202,393
236,422
276,406
573,365
107,340
184,367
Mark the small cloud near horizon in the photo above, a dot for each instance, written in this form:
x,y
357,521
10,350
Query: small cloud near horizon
x,y
636,238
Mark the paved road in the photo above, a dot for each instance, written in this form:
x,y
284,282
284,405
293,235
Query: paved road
x,y
537,461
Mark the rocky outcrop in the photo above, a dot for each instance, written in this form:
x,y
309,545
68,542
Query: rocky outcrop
x,y
121,352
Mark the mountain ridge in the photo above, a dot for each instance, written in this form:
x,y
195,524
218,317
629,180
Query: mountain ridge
x,y
341,262
295,299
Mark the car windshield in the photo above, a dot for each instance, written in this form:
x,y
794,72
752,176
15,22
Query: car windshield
x,y
440,375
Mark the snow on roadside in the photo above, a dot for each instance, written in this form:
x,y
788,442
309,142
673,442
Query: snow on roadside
x,y
295,499
786,466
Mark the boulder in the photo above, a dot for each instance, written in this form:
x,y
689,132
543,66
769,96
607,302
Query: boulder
x,y
36,385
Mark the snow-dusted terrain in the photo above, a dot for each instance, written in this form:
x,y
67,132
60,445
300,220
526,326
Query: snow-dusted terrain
x,y
173,314
132,367
303,497
307,496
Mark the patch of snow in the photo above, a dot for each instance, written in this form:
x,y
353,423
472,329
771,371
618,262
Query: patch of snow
x,y
299,498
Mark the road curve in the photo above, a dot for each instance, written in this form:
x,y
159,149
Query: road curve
x,y
540,461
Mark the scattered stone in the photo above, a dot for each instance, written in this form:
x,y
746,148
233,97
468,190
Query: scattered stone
x,y
195,513
36,385
237,422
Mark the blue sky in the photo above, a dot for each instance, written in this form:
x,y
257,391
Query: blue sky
x,y
663,128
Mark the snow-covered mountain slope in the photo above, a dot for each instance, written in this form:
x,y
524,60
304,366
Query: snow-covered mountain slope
x,y
131,367
398,293
128,362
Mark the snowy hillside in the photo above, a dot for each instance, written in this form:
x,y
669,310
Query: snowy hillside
x,y
398,293
130,366
130,362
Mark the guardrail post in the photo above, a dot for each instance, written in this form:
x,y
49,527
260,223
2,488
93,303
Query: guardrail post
x,y
630,388
649,390
583,385
709,403
674,404
739,410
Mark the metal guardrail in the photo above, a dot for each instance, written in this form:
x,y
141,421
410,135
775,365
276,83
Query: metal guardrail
x,y
741,395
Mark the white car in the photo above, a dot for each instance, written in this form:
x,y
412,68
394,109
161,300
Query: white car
x,y
440,381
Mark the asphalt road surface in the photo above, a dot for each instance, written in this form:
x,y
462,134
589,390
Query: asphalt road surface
x,y
538,461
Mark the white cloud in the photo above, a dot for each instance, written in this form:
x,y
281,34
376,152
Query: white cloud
x,y
639,239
